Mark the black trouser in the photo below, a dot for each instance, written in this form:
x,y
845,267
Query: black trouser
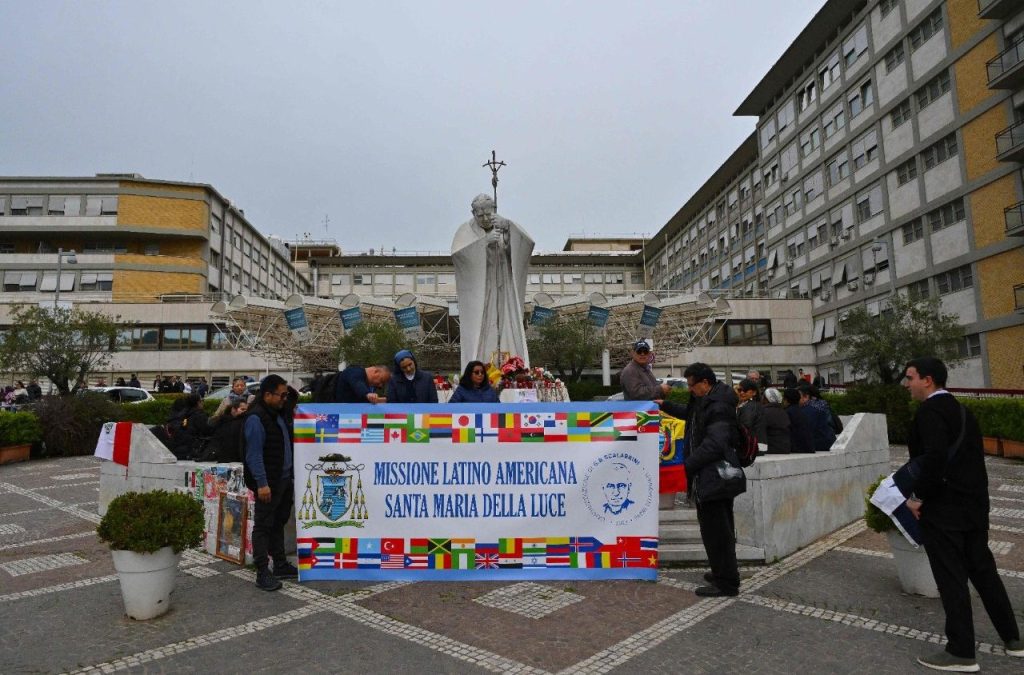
x,y
268,525
718,532
956,556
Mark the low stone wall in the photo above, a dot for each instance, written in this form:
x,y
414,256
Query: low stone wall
x,y
793,500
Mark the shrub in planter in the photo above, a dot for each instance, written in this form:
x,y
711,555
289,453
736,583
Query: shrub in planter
x,y
71,424
19,428
874,518
145,522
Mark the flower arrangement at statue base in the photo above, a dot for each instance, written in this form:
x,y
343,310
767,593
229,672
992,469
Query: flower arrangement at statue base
x,y
515,375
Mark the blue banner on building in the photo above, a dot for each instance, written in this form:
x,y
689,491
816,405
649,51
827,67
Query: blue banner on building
x,y
649,317
598,316
541,315
297,324
350,318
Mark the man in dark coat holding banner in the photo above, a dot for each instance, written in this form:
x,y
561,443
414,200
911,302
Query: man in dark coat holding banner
x,y
951,502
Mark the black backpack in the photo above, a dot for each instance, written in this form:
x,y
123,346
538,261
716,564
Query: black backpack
x,y
745,445
323,387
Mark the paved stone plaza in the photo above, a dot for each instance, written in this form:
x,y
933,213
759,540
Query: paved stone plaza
x,y
833,607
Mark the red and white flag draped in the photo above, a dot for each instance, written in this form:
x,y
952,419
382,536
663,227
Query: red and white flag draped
x,y
115,442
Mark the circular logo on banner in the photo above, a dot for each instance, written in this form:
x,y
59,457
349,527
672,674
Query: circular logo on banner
x,y
617,488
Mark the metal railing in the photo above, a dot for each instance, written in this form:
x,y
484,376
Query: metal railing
x,y
1010,138
1014,216
1007,59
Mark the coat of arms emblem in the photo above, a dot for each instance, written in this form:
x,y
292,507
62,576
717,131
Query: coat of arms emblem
x,y
338,497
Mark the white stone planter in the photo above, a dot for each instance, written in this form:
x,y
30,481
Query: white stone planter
x,y
147,580
912,566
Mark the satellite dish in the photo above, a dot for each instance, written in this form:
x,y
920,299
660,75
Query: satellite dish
x,y
238,302
651,298
722,304
597,298
349,301
294,300
542,299
405,300
703,298
219,307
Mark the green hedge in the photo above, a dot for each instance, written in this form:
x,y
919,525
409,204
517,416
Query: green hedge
x,y
586,390
158,410
998,417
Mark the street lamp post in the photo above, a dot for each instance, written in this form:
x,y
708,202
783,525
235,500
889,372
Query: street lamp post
x,y
72,260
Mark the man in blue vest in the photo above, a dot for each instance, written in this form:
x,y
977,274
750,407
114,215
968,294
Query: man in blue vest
x,y
268,473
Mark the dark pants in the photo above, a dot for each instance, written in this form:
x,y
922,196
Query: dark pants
x,y
268,525
956,556
718,533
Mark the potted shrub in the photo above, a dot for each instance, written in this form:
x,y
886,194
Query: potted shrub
x,y
18,431
147,532
912,566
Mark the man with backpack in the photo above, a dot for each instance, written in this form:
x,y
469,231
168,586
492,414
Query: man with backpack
x,y
714,434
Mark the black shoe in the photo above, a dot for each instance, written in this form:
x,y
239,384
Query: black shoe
x,y
945,661
709,577
714,592
266,581
285,570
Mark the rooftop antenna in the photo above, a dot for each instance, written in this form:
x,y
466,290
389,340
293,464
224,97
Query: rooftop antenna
x,y
494,165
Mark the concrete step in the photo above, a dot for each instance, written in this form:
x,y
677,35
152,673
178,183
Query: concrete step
x,y
683,533
678,515
689,554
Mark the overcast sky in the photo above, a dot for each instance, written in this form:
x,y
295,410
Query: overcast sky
x,y
380,115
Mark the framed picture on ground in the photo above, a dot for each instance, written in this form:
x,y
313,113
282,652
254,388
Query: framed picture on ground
x,y
231,526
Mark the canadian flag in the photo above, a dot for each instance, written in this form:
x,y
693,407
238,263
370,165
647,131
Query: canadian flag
x,y
115,442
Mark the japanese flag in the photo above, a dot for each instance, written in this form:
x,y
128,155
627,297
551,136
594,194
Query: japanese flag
x,y
115,442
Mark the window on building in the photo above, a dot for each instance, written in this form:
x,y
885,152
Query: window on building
x,y
954,280
788,159
362,279
865,149
215,225
927,28
894,57
6,247
768,133
907,171
807,95
96,281
913,231
151,249
932,89
534,279
900,114
838,167
64,205
855,46
834,120
30,205
139,338
810,140
970,346
940,152
793,201
101,205
185,337
813,186
104,247
771,173
861,98
746,333
869,203
946,215
919,290
828,72
785,115
613,278
886,6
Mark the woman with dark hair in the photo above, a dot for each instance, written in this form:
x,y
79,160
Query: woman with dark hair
x,y
188,426
474,387
228,442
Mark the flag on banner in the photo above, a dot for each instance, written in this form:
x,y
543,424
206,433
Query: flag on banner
x,y
115,442
487,560
395,435
416,560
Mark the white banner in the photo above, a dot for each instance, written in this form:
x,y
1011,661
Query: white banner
x,y
465,491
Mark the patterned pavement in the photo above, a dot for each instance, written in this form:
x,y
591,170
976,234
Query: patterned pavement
x,y
834,606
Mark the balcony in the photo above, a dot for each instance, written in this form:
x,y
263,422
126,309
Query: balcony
x,y
1006,71
997,9
1010,143
1014,216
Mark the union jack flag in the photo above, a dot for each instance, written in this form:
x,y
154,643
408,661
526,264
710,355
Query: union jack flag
x,y
487,561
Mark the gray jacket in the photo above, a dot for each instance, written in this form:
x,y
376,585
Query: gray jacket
x,y
638,383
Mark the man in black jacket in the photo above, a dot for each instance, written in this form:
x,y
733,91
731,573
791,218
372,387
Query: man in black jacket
x,y
357,384
951,501
710,427
268,473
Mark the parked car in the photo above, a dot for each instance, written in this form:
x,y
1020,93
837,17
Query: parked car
x,y
123,394
673,381
222,392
